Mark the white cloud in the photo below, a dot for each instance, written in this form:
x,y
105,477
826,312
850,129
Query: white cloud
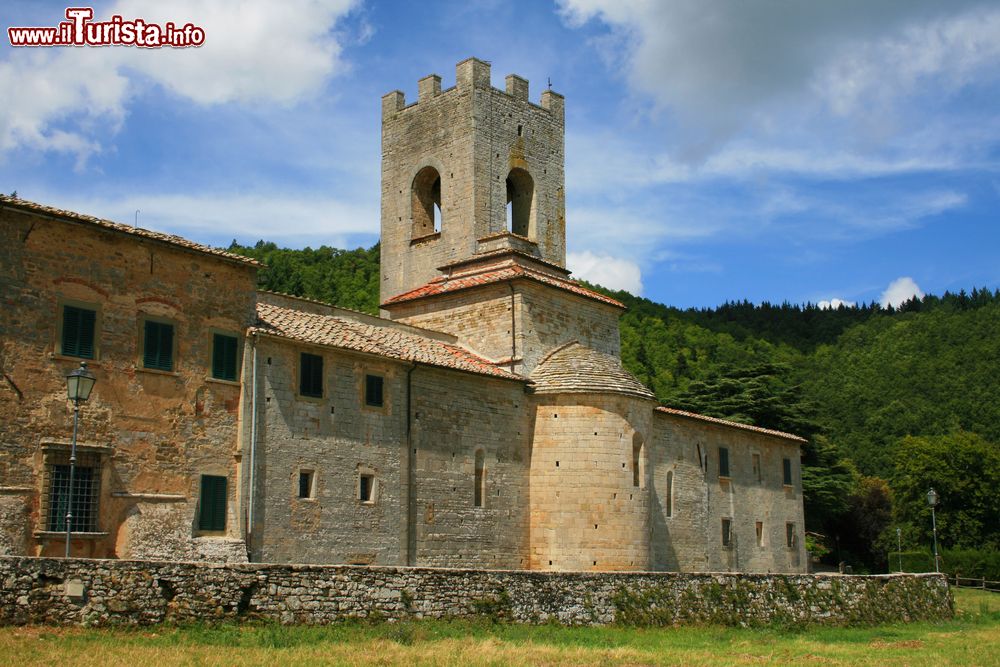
x,y
900,290
611,272
817,74
255,51
833,304
215,219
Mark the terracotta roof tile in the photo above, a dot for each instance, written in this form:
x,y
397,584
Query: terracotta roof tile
x,y
574,369
496,274
386,341
726,422
71,216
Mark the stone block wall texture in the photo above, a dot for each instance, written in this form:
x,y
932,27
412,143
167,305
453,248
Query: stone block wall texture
x,y
589,504
687,530
117,592
473,135
520,319
155,433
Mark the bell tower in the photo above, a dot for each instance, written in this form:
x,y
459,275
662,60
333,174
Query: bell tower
x,y
474,221
469,172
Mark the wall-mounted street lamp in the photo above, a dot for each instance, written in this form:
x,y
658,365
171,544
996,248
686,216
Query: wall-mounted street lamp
x,y
932,500
79,383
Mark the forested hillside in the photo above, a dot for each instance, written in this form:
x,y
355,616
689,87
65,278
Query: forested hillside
x,y
893,401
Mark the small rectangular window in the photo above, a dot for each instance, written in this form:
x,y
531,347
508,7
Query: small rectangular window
x,y
756,467
790,535
760,533
723,462
727,535
305,484
366,486
787,471
224,354
311,375
78,332
373,390
158,345
212,510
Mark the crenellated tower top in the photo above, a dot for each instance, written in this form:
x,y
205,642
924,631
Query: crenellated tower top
x,y
469,171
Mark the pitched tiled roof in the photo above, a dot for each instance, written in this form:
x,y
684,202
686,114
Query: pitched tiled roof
x,y
575,369
71,216
726,422
495,274
386,341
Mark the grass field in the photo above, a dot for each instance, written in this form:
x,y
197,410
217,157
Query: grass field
x,y
972,638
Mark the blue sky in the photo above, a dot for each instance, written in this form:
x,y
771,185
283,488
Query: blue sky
x,y
716,150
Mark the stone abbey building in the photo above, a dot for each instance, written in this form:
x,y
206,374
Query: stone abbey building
x,y
483,421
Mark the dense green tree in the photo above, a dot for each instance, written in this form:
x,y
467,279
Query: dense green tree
x,y
964,469
347,278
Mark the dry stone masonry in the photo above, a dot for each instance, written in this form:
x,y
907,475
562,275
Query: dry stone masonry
x,y
101,593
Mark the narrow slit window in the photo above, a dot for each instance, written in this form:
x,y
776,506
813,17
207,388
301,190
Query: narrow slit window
x,y
727,532
756,466
790,535
638,466
760,533
670,494
786,465
479,493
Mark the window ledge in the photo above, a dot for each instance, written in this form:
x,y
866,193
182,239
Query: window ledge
x,y
54,534
212,534
150,497
433,236
310,399
156,371
228,383
91,363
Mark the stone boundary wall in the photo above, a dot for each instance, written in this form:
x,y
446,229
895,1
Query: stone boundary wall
x,y
120,592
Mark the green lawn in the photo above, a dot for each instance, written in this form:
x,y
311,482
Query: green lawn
x,y
973,638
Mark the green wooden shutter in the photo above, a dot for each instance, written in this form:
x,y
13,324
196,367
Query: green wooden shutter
x,y
212,515
78,332
158,348
787,465
723,462
224,357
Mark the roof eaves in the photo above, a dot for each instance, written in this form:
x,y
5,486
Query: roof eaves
x,y
171,240
731,424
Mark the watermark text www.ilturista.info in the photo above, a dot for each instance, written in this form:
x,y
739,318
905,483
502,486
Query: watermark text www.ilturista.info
x,y
80,30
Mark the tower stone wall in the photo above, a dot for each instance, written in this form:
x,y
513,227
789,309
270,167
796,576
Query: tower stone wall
x,y
466,151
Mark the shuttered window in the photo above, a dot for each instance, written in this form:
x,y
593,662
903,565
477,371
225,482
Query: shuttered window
x,y
723,462
158,345
212,513
78,332
311,375
224,357
787,470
